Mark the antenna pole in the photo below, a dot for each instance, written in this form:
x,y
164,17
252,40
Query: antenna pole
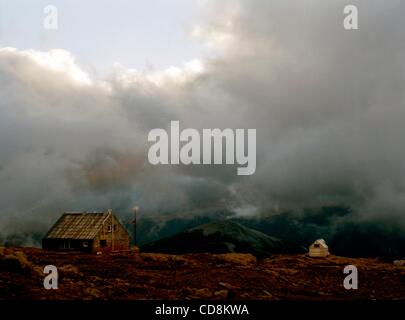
x,y
136,209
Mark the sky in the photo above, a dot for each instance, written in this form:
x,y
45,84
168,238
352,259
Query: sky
x,y
137,34
76,106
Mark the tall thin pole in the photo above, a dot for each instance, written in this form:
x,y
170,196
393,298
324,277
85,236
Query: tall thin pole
x,y
136,209
112,228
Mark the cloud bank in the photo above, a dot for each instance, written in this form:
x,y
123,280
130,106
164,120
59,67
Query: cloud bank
x,y
328,105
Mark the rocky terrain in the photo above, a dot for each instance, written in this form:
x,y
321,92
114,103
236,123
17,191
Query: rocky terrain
x,y
194,276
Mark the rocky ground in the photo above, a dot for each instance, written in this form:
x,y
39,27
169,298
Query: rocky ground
x,y
195,276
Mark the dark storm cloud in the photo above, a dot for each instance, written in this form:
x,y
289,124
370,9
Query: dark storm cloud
x,y
327,103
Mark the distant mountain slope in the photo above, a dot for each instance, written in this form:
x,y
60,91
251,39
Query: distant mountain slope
x,y
153,228
221,237
345,232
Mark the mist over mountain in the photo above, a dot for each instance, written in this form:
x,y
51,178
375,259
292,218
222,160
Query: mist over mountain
x,y
327,104
345,233
222,237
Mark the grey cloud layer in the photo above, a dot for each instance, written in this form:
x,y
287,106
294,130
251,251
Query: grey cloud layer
x,y
328,106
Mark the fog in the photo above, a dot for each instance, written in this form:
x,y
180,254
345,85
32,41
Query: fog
x,y
327,104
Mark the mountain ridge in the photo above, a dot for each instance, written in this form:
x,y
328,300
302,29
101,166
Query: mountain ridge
x,y
222,236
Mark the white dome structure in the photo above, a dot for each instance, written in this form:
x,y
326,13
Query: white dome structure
x,y
319,249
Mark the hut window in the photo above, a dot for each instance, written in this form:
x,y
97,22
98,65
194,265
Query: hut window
x,y
316,245
103,243
65,245
108,228
115,227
